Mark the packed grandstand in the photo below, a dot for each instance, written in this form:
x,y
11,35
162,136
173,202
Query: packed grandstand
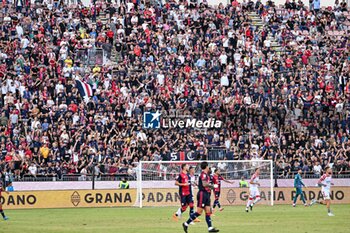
x,y
76,81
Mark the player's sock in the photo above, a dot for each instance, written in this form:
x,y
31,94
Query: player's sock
x,y
2,213
192,217
208,220
179,212
216,203
219,205
191,210
250,200
329,210
303,199
295,199
257,199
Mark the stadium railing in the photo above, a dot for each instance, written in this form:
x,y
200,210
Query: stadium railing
x,y
118,177
311,175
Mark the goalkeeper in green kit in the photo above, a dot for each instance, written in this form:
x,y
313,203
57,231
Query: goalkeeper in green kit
x,y
298,185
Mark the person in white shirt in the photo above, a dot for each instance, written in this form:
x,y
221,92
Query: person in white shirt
x,y
59,87
32,169
83,173
223,59
24,43
19,30
134,19
254,194
130,6
325,182
222,166
14,118
267,43
141,136
75,118
224,81
247,99
317,169
160,78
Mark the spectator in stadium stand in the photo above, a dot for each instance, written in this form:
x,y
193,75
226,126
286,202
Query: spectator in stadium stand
x,y
280,85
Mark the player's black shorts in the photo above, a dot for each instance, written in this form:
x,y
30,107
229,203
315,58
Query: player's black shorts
x,y
217,195
203,199
186,200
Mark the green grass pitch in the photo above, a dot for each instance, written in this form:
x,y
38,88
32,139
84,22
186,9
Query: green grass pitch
x,y
263,219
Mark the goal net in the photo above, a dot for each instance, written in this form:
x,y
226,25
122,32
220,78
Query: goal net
x,y
156,181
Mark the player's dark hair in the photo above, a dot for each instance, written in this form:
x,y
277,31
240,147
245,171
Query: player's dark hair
x,y
215,170
257,168
326,168
204,165
183,165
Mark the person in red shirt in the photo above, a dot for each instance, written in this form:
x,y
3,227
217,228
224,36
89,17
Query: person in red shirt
x,y
217,178
28,153
73,107
289,62
185,191
203,196
137,50
304,59
235,4
110,36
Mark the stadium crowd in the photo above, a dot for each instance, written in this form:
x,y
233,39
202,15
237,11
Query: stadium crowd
x,y
281,89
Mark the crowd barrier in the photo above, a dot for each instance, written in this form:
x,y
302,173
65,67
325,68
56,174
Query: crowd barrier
x,y
152,197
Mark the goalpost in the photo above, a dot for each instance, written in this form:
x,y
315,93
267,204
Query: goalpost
x,y
156,181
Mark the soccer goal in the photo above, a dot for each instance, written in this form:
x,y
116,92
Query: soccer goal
x,y
156,181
